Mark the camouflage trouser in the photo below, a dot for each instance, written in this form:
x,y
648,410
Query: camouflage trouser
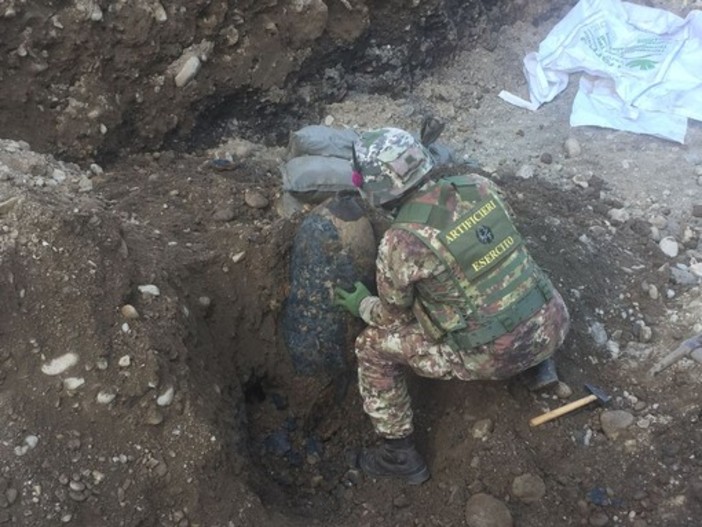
x,y
384,352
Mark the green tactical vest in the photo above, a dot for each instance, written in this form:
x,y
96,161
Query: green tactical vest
x,y
495,283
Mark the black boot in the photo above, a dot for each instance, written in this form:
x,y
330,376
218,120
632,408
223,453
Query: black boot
x,y
541,376
395,458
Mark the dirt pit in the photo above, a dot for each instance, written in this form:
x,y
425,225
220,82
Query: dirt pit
x,y
184,408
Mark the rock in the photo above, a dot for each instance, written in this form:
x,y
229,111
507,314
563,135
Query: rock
x,y
129,311
9,204
581,180
525,172
225,213
124,361
149,290
572,147
599,334
563,391
154,417
166,398
482,428
482,510
599,519
682,276
60,364
546,158
614,422
73,383
85,184
618,215
255,199
401,501
529,488
669,246
188,71
11,495
697,210
106,396
653,292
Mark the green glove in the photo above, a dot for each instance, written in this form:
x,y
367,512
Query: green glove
x,y
351,300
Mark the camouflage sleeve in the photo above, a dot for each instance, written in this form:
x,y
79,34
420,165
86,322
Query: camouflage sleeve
x,y
403,260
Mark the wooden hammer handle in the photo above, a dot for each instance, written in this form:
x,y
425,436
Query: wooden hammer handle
x,y
548,416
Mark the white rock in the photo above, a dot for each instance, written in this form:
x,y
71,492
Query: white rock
x,y
669,246
125,328
696,269
166,398
613,348
653,292
58,175
96,169
188,72
73,383
149,289
525,172
238,257
618,215
572,147
124,361
105,397
31,441
159,12
129,311
60,364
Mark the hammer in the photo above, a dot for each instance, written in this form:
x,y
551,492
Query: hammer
x,y
596,394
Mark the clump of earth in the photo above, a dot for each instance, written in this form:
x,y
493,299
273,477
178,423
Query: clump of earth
x,y
144,377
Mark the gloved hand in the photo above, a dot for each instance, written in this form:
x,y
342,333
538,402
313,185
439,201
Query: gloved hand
x,y
351,300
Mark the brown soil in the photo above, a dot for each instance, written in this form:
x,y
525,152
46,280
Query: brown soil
x,y
70,261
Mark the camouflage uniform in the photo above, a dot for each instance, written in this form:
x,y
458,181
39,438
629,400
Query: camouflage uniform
x,y
407,270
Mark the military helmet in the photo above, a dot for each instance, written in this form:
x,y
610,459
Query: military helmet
x,y
387,163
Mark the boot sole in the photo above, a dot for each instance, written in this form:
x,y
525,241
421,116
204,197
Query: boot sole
x,y
415,478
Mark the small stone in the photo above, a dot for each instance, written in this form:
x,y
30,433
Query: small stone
x,y
205,301
60,364
613,422
669,246
683,276
73,383
525,172
124,361
149,290
529,488
106,397
546,158
482,428
166,398
599,333
154,417
482,510
255,199
11,495
599,519
653,292
188,71
129,311
96,169
563,391
85,184
618,215
401,501
225,213
572,147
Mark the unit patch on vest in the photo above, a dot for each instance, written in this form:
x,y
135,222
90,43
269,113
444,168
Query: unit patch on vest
x,y
481,238
484,234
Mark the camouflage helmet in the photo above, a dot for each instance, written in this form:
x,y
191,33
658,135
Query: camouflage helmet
x,y
387,163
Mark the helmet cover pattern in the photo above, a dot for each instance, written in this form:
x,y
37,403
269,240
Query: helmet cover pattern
x,y
389,162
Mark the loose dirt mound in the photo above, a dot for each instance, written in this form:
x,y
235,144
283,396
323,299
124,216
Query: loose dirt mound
x,y
144,381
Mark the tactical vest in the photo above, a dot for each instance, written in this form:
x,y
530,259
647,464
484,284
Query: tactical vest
x,y
495,284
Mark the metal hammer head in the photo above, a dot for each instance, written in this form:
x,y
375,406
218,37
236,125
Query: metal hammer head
x,y
599,393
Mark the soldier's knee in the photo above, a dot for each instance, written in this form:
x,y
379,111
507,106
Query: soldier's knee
x,y
364,341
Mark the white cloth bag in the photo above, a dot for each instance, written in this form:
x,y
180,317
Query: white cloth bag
x,y
641,66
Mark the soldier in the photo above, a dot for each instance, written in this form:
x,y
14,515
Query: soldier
x,y
459,295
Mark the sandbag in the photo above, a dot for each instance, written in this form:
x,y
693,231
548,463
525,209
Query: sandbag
x,y
315,178
334,246
319,140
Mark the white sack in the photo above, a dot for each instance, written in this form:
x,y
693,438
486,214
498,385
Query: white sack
x,y
641,66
